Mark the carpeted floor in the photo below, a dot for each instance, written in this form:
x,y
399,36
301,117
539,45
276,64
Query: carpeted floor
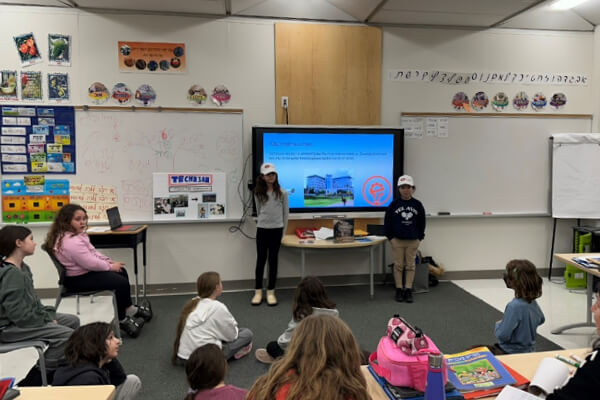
x,y
453,318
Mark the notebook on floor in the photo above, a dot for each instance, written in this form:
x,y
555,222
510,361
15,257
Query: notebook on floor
x,y
114,220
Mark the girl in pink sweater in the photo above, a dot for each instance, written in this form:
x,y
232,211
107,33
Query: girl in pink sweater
x,y
88,270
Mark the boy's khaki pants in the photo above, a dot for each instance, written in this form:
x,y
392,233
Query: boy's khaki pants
x,y
404,253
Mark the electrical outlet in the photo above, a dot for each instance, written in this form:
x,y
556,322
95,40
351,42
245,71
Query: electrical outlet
x,y
284,102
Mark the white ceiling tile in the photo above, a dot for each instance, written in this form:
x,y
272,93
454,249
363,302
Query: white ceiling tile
x,y
359,9
304,9
176,6
544,18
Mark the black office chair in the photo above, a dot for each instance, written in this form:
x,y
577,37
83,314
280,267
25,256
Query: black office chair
x,y
64,292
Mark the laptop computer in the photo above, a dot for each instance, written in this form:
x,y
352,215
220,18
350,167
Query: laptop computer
x,y
114,220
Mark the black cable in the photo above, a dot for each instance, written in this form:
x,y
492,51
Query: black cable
x,y
287,119
246,203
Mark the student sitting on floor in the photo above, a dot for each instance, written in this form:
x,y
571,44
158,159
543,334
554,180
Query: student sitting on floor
x,y
92,354
585,383
205,371
321,362
205,320
310,298
87,269
516,331
22,314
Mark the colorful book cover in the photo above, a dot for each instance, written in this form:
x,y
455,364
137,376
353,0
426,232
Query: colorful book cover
x,y
477,369
521,383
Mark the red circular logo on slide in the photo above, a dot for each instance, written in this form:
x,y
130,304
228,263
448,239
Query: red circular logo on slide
x,y
377,190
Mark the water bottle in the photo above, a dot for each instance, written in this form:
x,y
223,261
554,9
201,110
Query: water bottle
x,y
435,387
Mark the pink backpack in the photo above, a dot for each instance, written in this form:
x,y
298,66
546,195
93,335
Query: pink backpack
x,y
401,369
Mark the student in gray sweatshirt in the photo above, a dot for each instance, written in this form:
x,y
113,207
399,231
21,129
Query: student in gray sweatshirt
x,y
272,210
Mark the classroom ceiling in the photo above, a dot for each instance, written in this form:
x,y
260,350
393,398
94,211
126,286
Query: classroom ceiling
x,y
522,14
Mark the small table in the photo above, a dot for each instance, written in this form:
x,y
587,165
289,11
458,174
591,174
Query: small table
x,y
567,258
294,241
526,364
128,240
93,392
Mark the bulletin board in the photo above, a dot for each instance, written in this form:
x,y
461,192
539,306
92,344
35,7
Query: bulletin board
x,y
490,164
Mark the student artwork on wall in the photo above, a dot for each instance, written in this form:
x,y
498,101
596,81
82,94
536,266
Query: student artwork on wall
x,y
98,93
31,85
8,85
189,196
152,57
58,87
196,94
38,139
59,50
558,100
28,50
96,199
220,95
33,199
145,95
538,101
121,93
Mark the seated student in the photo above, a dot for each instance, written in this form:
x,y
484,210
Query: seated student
x,y
310,298
517,329
87,269
585,383
205,371
22,315
321,362
92,354
205,320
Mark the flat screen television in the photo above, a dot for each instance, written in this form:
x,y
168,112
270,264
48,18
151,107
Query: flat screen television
x,y
332,170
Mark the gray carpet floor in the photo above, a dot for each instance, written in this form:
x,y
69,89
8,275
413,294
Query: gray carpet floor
x,y
453,318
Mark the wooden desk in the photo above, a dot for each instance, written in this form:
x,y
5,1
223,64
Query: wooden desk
x,y
124,240
526,364
294,241
567,258
103,392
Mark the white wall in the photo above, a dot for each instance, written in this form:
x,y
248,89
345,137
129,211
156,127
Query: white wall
x,y
240,54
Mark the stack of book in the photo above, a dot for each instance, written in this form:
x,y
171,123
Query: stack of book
x,y
478,373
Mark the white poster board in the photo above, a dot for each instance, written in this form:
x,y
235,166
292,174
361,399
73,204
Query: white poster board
x,y
189,196
576,175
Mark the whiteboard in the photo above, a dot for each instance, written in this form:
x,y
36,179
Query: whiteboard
x,y
123,148
487,165
576,176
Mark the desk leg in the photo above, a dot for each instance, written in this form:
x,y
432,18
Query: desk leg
x,y
135,266
371,270
144,261
302,262
588,313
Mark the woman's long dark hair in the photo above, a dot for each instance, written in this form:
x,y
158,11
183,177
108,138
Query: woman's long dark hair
x,y
87,344
9,236
205,368
310,293
61,225
260,190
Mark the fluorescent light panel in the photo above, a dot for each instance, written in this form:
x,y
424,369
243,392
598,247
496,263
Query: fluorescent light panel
x,y
566,4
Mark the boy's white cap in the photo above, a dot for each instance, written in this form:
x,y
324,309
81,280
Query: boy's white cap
x,y
405,180
267,168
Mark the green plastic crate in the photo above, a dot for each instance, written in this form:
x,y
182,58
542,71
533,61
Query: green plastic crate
x,y
575,278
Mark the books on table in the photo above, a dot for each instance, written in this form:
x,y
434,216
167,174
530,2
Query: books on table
x,y
478,373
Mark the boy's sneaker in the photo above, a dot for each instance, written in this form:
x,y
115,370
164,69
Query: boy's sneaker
x,y
243,351
143,312
132,326
408,297
263,356
399,295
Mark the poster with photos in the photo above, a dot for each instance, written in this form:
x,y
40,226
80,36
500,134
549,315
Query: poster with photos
x,y
31,85
189,196
28,49
37,139
58,87
59,49
8,85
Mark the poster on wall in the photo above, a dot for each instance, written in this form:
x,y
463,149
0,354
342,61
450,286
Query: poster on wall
x,y
33,199
37,139
28,49
96,199
59,49
151,57
189,196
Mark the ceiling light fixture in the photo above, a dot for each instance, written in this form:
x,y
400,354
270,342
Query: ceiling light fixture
x,y
566,4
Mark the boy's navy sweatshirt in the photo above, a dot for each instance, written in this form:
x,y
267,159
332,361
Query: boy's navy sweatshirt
x,y
405,219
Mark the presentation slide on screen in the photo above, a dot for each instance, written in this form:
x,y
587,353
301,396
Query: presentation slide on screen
x,y
333,170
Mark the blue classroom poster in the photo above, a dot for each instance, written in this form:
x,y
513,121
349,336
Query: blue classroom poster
x,y
37,139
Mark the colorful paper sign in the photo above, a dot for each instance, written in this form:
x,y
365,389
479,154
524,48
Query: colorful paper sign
x,y
152,57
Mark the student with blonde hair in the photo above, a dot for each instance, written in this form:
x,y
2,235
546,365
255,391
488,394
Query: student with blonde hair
x,y
205,320
322,361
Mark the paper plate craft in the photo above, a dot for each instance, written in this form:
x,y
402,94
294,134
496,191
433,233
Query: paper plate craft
x,y
558,100
220,95
145,95
459,100
98,93
480,101
121,93
500,101
538,102
521,101
27,49
58,87
197,94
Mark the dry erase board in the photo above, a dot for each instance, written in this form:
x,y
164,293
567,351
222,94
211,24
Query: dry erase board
x,y
124,147
487,164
